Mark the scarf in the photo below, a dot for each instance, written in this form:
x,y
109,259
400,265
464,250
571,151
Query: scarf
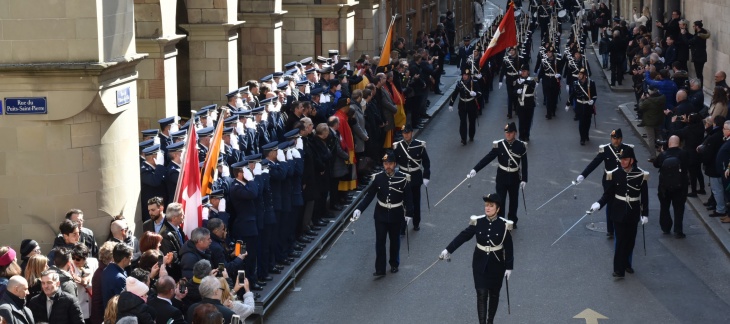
x,y
346,136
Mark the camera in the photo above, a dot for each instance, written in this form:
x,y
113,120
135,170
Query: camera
x,y
660,145
680,118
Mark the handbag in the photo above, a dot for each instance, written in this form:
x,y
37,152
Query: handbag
x,y
599,21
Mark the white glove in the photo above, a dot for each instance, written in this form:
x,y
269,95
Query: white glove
x,y
222,205
300,144
507,273
472,93
579,179
519,91
247,174
250,123
257,170
280,156
355,215
408,220
567,108
557,75
520,80
590,102
226,171
425,182
159,159
289,157
451,108
500,85
567,88
644,220
265,171
295,154
445,255
522,185
595,206
471,174
479,76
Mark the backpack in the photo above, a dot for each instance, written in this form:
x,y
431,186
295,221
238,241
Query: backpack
x,y
670,173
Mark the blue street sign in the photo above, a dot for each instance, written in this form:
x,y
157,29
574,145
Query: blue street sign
x,y
123,97
26,106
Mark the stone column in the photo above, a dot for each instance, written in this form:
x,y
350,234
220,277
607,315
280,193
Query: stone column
x,y
260,44
79,150
365,29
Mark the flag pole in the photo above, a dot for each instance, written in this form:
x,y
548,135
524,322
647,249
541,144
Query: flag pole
x,y
191,128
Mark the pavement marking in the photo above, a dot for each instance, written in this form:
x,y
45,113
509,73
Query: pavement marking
x,y
590,316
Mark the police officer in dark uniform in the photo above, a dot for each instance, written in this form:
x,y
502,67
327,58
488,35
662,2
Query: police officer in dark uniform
x,y
152,176
608,154
493,255
583,96
204,138
468,90
167,125
543,17
394,196
550,78
627,193
571,65
243,223
412,159
174,152
510,68
464,52
511,154
216,198
525,93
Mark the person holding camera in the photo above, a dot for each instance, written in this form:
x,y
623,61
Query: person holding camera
x,y
673,165
708,151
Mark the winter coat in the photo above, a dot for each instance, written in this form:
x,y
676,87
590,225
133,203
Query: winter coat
x,y
189,255
387,107
130,304
652,109
65,309
359,132
718,109
698,45
710,145
14,311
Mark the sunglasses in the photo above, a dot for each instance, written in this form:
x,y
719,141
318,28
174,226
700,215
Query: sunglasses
x,y
79,259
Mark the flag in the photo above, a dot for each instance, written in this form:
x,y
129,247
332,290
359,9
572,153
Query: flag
x,y
188,185
385,56
211,160
504,37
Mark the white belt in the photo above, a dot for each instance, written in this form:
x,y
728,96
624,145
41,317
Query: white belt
x,y
575,75
407,169
627,199
508,169
515,73
389,205
583,102
549,74
489,248
543,16
530,95
467,100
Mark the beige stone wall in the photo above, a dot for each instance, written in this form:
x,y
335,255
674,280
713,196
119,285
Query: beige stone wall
x,y
714,15
297,39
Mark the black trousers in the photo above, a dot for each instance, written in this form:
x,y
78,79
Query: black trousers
x,y
391,231
487,303
525,114
511,96
416,196
695,175
513,190
625,241
698,69
251,258
674,199
585,114
278,236
467,110
264,253
269,251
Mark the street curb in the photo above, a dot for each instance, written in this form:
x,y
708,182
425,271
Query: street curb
x,y
607,74
714,226
434,109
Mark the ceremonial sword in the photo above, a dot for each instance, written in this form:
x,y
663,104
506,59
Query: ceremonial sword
x,y
576,223
573,183
452,190
422,272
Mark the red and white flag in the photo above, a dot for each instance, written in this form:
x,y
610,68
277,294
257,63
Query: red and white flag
x,y
504,37
188,185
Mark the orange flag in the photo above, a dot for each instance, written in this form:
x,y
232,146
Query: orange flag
x,y
385,56
211,160
504,37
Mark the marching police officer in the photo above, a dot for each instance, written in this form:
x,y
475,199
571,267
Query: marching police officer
x,y
412,159
543,17
468,90
493,255
583,96
627,193
511,154
525,93
510,66
609,155
152,176
395,201
550,79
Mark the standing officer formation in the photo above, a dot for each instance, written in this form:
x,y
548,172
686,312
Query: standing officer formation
x,y
511,154
525,93
412,159
493,255
627,194
468,90
395,201
608,154
550,78
510,65
583,98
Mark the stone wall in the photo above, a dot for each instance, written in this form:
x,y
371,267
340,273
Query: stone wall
x,y
714,15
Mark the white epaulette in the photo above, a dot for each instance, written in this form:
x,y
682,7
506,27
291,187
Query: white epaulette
x,y
646,175
473,219
525,144
375,174
495,144
609,174
423,143
630,145
601,147
529,78
510,224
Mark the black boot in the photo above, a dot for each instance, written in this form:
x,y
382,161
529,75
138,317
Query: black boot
x,y
482,305
493,303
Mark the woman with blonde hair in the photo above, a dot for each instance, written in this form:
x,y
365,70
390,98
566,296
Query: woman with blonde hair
x,y
644,18
35,266
242,309
110,313
718,105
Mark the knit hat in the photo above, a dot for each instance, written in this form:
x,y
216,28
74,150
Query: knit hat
x,y
136,287
27,246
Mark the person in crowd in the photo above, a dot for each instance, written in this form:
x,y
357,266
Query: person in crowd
x,y
708,150
37,264
651,108
110,311
168,303
229,297
114,278
673,165
69,236
156,209
698,46
150,241
219,252
122,234
718,104
133,300
207,314
13,298
61,263
696,96
212,292
83,268
97,300
194,250
55,305
28,248
691,132
86,235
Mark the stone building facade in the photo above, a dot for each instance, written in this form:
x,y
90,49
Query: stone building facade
x,y
82,78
